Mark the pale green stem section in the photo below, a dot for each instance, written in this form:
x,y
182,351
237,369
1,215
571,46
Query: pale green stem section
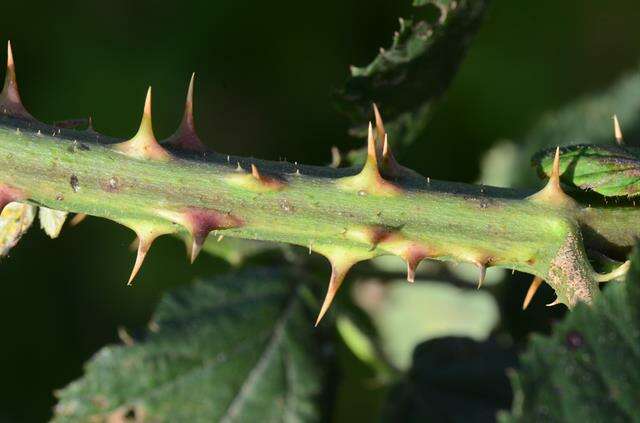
x,y
69,171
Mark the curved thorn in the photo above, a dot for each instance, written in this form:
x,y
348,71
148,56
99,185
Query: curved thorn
x,y
338,273
336,159
617,131
77,219
144,243
411,271
554,178
553,303
340,265
615,274
535,284
255,173
482,275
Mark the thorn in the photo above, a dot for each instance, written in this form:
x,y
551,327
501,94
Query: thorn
x,y
616,130
483,274
77,219
369,180
554,178
338,272
552,193
10,102
535,284
555,302
144,144
341,261
185,136
615,274
411,271
199,222
255,181
372,154
145,239
336,159
255,173
379,124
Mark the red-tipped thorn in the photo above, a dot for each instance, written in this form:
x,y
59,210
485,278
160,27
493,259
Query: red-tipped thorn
x,y
533,288
10,103
185,136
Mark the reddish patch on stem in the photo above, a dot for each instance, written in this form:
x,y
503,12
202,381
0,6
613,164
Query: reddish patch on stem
x,y
202,221
9,194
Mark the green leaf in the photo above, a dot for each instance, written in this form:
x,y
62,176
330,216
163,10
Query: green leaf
x,y
610,170
236,348
586,121
587,370
433,310
452,380
408,77
15,220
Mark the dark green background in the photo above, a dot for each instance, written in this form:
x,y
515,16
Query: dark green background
x,y
265,74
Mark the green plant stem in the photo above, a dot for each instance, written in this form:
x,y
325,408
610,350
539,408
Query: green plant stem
x,y
80,172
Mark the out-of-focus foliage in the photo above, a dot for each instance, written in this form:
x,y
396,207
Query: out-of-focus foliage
x,y
610,170
587,370
406,314
407,78
585,121
235,348
453,380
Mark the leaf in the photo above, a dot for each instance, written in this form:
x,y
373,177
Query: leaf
x,y
15,220
610,170
239,347
51,221
452,380
408,77
407,314
586,121
587,370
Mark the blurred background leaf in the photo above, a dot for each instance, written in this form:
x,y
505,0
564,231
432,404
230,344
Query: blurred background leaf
x,y
235,348
587,370
586,121
407,314
406,79
452,379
